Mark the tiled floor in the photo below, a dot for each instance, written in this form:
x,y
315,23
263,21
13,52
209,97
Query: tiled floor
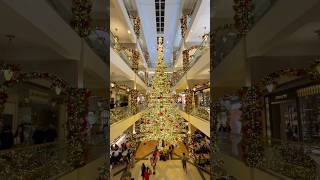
x,y
146,148
166,170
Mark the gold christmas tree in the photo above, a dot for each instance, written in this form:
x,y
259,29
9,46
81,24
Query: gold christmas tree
x,y
161,120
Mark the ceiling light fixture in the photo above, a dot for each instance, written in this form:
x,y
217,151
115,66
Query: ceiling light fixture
x,y
129,32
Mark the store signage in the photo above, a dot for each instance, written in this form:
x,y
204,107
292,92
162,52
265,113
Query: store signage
x,y
38,96
284,96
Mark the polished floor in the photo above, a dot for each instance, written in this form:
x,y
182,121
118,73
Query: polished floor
x,y
166,170
145,149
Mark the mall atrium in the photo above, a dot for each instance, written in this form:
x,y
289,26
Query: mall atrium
x,y
160,89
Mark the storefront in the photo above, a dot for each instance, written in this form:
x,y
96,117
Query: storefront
x,y
294,114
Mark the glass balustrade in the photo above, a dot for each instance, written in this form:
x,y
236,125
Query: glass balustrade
x,y
119,113
201,112
290,159
43,161
224,43
203,47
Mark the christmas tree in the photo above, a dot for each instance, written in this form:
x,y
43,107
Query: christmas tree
x,y
161,120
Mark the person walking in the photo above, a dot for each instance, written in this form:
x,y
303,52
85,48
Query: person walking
x,y
184,162
147,174
143,169
153,162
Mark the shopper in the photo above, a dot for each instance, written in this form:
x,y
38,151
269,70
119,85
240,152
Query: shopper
x,y
50,133
153,162
6,138
19,135
143,169
147,174
184,162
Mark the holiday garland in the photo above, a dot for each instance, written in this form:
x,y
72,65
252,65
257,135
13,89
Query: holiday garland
x,y
81,17
243,17
77,109
183,22
135,60
185,59
252,126
189,95
134,101
136,26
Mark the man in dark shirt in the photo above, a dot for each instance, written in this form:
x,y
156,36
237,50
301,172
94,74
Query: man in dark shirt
x,y
51,134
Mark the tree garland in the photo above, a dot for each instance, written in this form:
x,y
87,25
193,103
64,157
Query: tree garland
x,y
77,108
251,117
135,60
81,17
183,22
186,59
189,94
136,26
134,101
243,17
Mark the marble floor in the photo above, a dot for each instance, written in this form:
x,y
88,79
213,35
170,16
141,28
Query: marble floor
x,y
166,170
146,148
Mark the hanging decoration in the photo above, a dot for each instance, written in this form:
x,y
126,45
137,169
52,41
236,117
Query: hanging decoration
x,y
77,109
117,45
189,95
135,60
244,16
136,26
183,22
252,128
161,120
134,101
186,58
81,17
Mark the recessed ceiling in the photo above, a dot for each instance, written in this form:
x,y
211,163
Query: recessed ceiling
x,y
118,23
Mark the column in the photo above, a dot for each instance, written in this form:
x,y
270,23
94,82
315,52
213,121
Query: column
x,y
62,118
79,68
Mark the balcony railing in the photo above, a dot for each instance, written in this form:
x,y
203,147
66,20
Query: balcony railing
x,y
34,162
123,54
290,159
228,39
203,47
261,7
43,161
201,112
119,113
224,43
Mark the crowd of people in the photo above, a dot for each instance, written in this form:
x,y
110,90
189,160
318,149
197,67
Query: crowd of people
x,y
199,149
25,136
124,154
